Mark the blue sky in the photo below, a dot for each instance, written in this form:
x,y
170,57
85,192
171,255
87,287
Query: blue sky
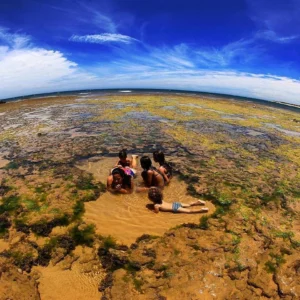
x,y
240,47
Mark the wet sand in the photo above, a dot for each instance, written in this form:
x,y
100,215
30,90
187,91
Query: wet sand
x,y
126,217
3,162
57,282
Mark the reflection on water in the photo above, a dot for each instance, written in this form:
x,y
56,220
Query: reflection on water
x,y
126,217
279,128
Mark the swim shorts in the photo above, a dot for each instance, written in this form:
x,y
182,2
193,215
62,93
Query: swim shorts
x,y
129,171
175,206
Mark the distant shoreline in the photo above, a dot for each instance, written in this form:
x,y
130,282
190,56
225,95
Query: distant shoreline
x,y
280,104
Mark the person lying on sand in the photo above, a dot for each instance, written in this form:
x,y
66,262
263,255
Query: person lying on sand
x,y
129,165
151,176
164,168
120,182
156,196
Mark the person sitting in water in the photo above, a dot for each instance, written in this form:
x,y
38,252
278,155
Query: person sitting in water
x,y
120,182
151,176
164,168
156,196
128,165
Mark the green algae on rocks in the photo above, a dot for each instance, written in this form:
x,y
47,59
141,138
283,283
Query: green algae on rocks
x,y
242,156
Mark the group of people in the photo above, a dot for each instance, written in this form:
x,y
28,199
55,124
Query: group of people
x,y
121,180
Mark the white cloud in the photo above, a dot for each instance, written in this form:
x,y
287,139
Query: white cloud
x,y
31,70
102,38
97,18
241,51
87,13
279,18
36,70
25,69
13,40
272,36
267,87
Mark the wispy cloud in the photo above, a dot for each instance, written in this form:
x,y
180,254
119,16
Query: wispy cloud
x,y
276,20
190,57
13,40
98,18
272,36
241,51
103,38
90,14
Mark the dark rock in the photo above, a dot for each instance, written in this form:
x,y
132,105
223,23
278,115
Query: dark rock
x,y
106,283
121,247
66,242
149,253
44,256
4,222
111,261
134,246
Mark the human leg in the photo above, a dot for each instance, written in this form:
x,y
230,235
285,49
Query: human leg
x,y
190,211
198,202
134,160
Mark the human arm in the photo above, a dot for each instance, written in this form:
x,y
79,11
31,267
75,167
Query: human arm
x,y
109,184
118,165
130,161
163,172
118,187
156,208
126,188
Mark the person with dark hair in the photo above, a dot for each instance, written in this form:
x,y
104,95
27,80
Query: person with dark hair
x,y
151,176
124,161
129,165
120,182
156,196
164,167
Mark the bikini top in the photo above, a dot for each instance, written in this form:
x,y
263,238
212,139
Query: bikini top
x,y
156,173
169,170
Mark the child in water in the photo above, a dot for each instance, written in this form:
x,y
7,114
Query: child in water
x,y
156,196
120,182
129,165
164,168
151,176
124,161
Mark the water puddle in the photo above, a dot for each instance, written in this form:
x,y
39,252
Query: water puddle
x,y
192,105
57,282
126,217
279,128
76,132
232,117
142,116
12,126
253,132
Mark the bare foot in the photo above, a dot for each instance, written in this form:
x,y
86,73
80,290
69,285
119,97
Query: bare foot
x,y
204,209
198,202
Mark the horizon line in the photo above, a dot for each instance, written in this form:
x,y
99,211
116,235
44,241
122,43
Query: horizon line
x,y
267,102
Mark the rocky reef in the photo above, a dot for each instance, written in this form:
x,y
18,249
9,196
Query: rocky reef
x,y
243,157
